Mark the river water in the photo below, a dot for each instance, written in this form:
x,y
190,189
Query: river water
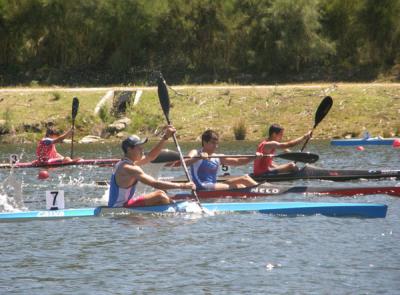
x,y
191,254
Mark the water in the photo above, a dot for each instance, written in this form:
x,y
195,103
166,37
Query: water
x,y
221,254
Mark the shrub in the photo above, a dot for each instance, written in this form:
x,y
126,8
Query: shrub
x,y
55,96
240,130
6,127
104,114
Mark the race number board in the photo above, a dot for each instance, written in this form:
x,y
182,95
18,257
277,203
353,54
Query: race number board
x,y
55,200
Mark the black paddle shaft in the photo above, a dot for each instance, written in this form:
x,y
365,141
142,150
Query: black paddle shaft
x,y
172,156
320,114
75,107
165,105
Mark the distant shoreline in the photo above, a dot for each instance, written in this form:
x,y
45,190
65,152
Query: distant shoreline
x,y
357,107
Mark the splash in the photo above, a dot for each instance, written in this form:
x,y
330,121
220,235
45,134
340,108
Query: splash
x,y
5,206
11,194
192,207
79,181
103,200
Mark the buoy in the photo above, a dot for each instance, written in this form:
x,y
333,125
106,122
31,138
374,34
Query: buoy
x,y
360,148
396,143
43,174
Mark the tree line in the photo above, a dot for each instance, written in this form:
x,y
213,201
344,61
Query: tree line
x,y
93,42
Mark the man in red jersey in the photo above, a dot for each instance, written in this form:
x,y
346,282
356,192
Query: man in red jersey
x,y
269,145
46,150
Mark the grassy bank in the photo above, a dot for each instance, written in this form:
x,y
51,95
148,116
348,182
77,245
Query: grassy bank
x,y
357,107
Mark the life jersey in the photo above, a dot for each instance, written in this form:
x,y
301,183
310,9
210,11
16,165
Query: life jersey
x,y
263,165
119,196
46,150
205,172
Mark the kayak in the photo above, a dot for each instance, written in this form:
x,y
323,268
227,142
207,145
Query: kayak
x,y
267,190
37,164
163,157
368,210
363,141
313,172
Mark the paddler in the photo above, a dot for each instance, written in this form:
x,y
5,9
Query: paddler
x,y
204,169
46,149
127,173
265,165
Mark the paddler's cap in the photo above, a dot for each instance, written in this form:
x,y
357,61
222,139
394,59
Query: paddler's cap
x,y
132,141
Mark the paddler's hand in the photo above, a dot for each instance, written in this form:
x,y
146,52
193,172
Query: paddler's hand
x,y
204,156
307,135
70,131
169,130
188,185
259,155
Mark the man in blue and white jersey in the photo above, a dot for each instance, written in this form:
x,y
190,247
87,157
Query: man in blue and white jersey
x,y
204,169
127,173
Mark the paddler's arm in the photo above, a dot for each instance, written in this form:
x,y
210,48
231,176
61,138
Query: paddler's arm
x,y
239,161
63,136
158,184
292,143
155,151
192,157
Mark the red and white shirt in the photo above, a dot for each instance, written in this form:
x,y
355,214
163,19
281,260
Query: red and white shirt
x,y
263,165
46,150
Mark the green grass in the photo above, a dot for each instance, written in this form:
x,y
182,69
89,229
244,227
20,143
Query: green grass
x,y
357,107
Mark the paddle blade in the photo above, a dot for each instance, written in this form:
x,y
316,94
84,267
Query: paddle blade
x,y
299,157
75,107
323,109
163,96
166,156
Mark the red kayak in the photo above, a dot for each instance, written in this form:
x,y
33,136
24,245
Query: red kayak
x,y
267,190
37,164
161,158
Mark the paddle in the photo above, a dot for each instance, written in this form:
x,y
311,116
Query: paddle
x,y
171,156
75,107
165,156
320,114
165,105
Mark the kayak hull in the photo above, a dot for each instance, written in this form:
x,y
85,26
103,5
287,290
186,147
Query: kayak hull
x,y
164,155
360,141
304,208
76,162
281,208
313,172
267,190
50,214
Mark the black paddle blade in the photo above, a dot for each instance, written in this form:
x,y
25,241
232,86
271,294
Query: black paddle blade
x,y
75,107
299,157
323,109
166,156
163,96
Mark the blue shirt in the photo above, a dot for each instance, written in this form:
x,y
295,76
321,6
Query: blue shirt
x,y
204,172
118,196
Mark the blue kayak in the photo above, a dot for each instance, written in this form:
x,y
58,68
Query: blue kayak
x,y
366,210
363,141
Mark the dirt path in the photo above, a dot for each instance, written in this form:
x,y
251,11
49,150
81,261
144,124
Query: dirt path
x,y
303,86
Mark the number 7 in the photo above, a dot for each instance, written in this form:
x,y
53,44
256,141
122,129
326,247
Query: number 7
x,y
55,194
